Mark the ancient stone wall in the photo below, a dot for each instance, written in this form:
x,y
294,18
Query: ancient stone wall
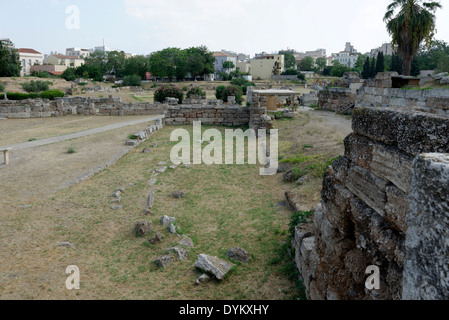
x,y
214,112
339,100
383,204
41,108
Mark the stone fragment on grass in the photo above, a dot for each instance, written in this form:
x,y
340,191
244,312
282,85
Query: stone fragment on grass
x,y
157,238
163,261
143,227
161,170
150,200
116,207
238,254
179,252
202,279
186,242
219,268
171,228
166,221
178,194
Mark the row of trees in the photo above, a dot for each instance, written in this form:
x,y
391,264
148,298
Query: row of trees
x,y
171,63
175,63
9,61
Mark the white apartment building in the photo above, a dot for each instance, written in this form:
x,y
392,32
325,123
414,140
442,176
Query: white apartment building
x,y
28,58
77,52
220,59
348,57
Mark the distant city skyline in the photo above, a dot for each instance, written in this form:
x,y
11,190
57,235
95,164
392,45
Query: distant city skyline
x,y
242,26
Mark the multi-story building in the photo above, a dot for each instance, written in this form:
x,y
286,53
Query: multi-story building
x,y
220,59
319,53
78,52
386,48
28,58
348,57
266,66
62,60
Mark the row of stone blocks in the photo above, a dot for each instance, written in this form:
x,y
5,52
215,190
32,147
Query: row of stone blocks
x,y
383,204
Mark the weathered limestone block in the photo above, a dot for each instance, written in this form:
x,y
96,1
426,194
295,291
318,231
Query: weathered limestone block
x,y
336,200
426,271
392,165
368,187
411,131
378,124
359,150
397,208
219,268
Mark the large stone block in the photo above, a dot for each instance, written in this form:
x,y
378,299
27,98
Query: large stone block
x,y
359,150
378,124
397,208
392,165
368,187
411,131
426,271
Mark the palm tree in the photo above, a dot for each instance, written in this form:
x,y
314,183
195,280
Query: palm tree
x,y
413,24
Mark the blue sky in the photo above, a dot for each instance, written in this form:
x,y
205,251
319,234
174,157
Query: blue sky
x,y
248,26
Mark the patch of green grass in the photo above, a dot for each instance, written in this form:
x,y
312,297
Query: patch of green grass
x,y
32,139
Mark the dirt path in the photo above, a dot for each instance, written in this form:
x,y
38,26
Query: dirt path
x,y
77,135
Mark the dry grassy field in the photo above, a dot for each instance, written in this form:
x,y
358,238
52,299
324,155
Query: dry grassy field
x,y
224,206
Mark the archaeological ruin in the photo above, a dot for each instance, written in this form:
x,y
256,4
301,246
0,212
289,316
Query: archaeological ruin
x,y
385,202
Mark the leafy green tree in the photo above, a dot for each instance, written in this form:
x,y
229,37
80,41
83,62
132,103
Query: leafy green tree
x,y
289,60
208,59
413,24
359,63
228,65
380,63
306,64
9,61
339,69
116,63
320,63
132,81
138,65
327,71
69,74
428,58
195,65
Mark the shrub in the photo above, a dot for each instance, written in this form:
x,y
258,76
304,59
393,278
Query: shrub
x,y
132,81
168,92
243,84
40,74
219,92
230,91
21,96
301,77
51,94
36,86
195,92
290,72
2,87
